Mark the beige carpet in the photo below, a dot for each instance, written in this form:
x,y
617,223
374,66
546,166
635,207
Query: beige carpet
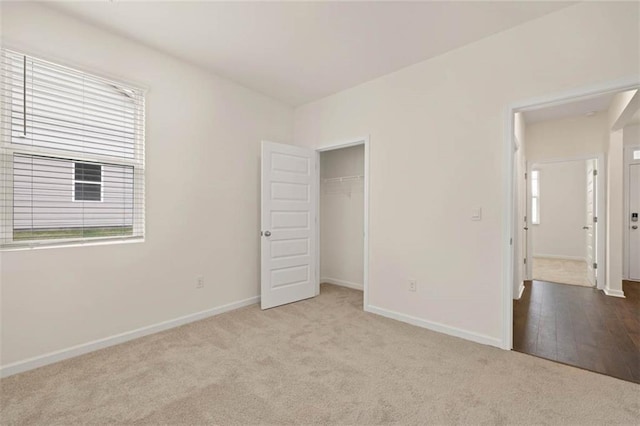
x,y
560,271
320,361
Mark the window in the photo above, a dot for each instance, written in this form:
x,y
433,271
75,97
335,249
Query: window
x,y
636,154
535,197
87,182
72,155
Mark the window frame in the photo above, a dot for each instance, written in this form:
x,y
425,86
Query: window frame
x,y
535,212
8,149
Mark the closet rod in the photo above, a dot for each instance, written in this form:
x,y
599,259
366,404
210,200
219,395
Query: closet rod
x,y
343,178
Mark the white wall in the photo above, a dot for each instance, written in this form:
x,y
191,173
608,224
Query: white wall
x,y
202,196
567,138
631,135
563,185
436,151
342,217
615,196
563,201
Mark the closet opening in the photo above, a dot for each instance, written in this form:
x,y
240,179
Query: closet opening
x,y
342,219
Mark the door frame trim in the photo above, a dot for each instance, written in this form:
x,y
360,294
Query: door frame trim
x,y
601,200
364,140
627,83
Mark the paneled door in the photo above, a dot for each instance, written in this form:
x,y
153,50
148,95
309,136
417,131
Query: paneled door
x,y
288,249
634,222
592,223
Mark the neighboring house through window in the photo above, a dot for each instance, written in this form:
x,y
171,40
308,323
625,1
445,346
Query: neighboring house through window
x,y
87,182
72,155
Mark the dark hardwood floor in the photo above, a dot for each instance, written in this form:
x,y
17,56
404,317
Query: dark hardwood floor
x,y
580,326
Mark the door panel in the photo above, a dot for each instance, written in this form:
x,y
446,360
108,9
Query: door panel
x,y
288,209
590,226
634,233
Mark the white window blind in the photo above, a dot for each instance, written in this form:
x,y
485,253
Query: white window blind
x,y
72,155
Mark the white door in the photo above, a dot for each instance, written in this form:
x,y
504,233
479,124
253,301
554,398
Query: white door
x,y
591,225
524,217
288,248
634,225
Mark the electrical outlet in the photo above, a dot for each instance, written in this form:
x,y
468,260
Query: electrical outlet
x,y
199,281
413,285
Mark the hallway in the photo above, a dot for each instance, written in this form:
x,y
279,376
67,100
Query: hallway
x,y
580,327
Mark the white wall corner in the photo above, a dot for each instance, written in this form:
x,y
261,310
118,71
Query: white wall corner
x,y
342,283
438,327
74,351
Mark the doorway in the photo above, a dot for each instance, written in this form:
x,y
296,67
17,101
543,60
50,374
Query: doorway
x,y
563,233
573,213
632,208
290,249
343,215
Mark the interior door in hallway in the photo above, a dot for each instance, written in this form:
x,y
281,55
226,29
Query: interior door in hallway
x,y
288,216
634,222
591,221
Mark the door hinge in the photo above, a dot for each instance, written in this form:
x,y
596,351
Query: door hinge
x,y
595,172
525,175
525,260
525,219
510,241
595,219
595,265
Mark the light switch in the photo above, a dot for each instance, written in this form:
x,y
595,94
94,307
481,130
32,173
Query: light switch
x,y
476,213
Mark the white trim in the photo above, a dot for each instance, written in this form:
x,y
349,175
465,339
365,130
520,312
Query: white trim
x,y
342,283
364,140
614,293
74,351
63,243
560,257
583,92
436,326
520,291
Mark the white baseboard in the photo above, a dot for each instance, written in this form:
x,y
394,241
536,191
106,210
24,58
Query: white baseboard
x,y
520,291
438,327
52,357
342,283
560,257
614,293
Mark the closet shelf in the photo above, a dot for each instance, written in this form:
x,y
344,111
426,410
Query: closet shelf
x,y
344,178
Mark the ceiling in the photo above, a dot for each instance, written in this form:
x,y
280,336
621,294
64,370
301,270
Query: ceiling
x,y
302,51
571,109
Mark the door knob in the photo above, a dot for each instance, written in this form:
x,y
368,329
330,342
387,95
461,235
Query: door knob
x,y
585,227
526,228
634,227
267,233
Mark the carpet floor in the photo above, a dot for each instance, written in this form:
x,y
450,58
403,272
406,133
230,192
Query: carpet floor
x,y
319,361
